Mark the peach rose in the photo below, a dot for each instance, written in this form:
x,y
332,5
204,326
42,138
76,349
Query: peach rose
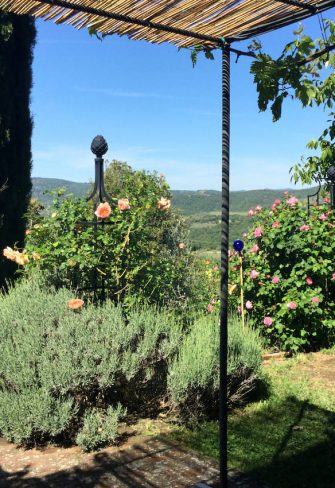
x,y
181,245
164,203
103,210
9,253
75,303
35,256
123,204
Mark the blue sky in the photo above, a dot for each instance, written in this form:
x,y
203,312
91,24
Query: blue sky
x,y
157,112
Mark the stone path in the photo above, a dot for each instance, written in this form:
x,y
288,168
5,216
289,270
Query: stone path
x,y
153,463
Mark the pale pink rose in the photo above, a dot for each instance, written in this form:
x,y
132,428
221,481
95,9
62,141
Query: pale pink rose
x,y
275,224
323,216
333,276
267,321
123,204
258,232
315,299
258,208
210,308
244,234
292,305
103,210
249,305
254,274
181,245
326,200
309,281
292,201
164,204
254,248
275,280
304,227
251,212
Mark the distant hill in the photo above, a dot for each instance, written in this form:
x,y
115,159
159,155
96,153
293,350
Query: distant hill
x,y
42,185
189,202
204,201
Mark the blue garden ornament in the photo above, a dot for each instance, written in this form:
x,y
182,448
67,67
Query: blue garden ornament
x,y
238,245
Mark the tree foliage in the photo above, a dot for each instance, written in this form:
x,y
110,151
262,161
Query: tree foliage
x,y
305,72
17,39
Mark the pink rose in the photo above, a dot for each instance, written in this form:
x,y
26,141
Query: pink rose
x,y
254,248
326,200
248,305
258,208
304,227
333,276
210,308
276,202
258,232
123,204
275,224
275,280
251,212
292,201
103,210
254,274
323,216
267,321
315,299
292,305
309,281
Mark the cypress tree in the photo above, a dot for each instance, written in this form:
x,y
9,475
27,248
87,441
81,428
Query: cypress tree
x,y
17,40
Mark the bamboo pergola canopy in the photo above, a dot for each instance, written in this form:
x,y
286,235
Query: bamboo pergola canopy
x,y
181,22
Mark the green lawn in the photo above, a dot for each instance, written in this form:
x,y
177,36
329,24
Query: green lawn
x,y
287,440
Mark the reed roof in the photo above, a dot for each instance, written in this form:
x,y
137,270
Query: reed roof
x,y
181,22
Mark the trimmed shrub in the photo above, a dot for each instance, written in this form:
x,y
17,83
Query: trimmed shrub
x,y
193,379
64,374
99,428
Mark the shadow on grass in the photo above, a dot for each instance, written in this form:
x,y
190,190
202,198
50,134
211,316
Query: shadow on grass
x,y
287,444
153,464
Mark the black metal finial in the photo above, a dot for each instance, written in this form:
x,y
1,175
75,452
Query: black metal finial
x,y
99,146
331,173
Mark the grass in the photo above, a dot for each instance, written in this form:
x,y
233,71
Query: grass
x,y
287,440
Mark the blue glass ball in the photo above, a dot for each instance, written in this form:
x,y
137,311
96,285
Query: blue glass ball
x,y
238,245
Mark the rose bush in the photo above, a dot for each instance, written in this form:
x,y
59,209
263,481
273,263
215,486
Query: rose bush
x,y
289,273
137,251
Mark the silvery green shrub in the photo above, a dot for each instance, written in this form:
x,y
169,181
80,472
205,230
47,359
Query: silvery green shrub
x,y
60,368
193,379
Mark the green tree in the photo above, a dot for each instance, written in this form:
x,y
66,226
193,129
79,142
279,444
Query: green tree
x,y
17,39
304,71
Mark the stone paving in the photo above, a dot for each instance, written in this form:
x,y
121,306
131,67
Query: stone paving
x,y
153,463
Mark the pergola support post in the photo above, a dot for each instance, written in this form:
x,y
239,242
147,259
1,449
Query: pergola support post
x,y
224,263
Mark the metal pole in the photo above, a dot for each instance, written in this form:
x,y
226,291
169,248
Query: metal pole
x,y
224,263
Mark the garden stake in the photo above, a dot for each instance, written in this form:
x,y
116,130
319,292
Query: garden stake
x,y
238,246
241,286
